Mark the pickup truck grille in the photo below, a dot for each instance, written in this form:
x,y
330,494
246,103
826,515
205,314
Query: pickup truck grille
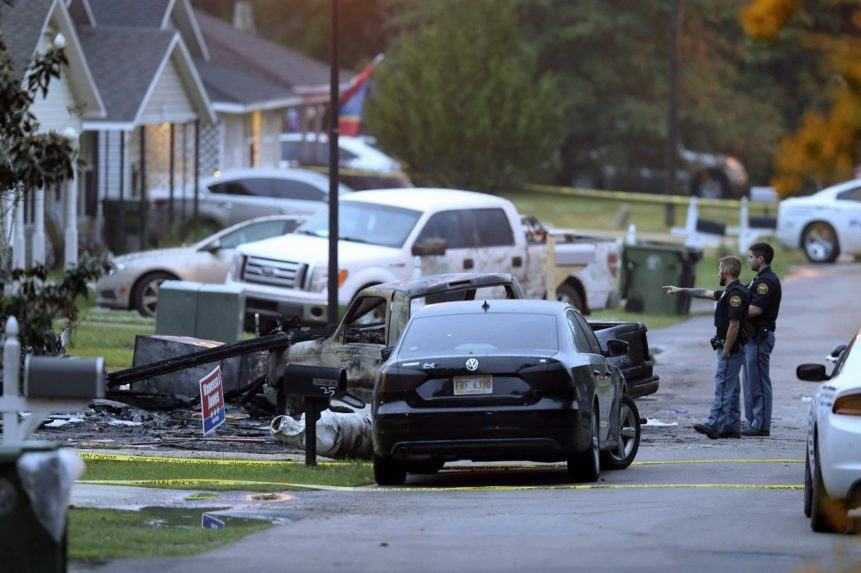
x,y
285,274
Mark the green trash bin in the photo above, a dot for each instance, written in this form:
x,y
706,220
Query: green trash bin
x,y
647,267
26,545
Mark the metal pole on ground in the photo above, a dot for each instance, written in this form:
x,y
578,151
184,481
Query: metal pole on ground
x,y
334,96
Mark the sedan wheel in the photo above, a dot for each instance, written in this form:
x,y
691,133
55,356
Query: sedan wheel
x,y
820,243
827,515
146,292
625,451
586,466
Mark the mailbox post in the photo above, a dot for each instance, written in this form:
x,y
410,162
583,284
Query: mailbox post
x,y
317,386
31,539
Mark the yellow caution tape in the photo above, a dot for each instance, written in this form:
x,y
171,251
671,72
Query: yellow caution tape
x,y
88,456
92,457
631,197
203,482
718,461
193,482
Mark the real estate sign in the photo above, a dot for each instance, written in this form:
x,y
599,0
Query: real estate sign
x,y
212,401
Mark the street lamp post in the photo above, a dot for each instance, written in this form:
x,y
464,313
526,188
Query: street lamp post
x,y
672,148
334,96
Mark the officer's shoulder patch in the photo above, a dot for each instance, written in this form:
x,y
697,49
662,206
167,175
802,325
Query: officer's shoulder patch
x,y
735,300
762,288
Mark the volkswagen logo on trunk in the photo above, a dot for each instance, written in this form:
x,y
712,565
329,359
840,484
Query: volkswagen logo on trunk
x,y
472,364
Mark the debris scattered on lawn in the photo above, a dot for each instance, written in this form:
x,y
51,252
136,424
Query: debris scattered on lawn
x,y
655,423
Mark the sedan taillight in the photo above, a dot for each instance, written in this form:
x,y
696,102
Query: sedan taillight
x,y
848,405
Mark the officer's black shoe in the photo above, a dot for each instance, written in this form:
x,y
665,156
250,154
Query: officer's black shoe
x,y
754,432
729,434
709,431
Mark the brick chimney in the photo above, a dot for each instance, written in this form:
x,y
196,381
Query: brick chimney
x,y
243,16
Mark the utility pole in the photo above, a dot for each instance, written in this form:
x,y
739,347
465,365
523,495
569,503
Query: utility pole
x,y
334,97
672,149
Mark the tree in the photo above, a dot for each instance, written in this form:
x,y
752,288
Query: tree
x,y
30,160
612,57
459,101
825,146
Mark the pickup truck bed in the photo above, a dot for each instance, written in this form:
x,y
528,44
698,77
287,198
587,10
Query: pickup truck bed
x,y
637,366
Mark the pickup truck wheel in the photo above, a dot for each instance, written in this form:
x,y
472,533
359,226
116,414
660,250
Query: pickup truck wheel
x,y
569,294
625,451
827,515
388,472
586,466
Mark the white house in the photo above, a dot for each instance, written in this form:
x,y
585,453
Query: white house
x,y
27,29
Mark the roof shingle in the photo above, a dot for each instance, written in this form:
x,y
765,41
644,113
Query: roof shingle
x,y
20,27
233,48
130,13
124,62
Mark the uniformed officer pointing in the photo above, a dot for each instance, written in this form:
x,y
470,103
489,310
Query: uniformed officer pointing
x,y
730,319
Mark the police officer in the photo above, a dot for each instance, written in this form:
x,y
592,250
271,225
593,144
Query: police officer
x,y
765,294
731,311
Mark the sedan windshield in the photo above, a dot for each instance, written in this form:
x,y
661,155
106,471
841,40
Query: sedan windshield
x,y
490,333
365,223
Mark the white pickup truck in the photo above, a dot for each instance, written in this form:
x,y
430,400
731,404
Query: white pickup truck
x,y
400,234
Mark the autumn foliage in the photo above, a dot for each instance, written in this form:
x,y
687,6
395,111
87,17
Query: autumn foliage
x,y
825,146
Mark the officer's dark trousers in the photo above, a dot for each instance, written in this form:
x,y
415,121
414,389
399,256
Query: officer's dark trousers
x,y
757,382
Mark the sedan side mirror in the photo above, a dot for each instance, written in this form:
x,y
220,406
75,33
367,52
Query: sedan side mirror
x,y
812,372
616,347
430,247
386,353
212,247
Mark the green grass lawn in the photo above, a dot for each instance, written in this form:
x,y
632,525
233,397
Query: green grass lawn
x,y
103,534
110,334
232,474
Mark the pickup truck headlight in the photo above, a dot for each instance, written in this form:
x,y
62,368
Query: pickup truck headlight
x,y
320,278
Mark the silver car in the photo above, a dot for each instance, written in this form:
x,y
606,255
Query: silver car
x,y
135,279
237,195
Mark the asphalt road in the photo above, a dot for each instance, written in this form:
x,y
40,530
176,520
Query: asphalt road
x,y
688,503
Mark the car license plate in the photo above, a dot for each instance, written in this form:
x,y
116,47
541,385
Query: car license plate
x,y
473,385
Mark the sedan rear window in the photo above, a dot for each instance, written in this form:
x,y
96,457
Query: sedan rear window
x,y
490,333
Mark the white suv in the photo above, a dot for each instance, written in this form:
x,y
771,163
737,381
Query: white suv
x,y
241,194
353,153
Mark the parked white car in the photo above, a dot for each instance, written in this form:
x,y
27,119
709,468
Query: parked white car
x,y
240,194
824,224
135,279
353,152
832,476
399,234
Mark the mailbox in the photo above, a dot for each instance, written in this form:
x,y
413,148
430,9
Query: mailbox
x,y
54,378
314,381
316,385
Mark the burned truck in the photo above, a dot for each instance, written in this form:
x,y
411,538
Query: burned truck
x,y
375,319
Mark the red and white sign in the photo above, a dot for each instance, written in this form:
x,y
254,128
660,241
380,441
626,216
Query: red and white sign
x,y
212,401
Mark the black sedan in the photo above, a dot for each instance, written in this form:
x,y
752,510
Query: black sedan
x,y
501,380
